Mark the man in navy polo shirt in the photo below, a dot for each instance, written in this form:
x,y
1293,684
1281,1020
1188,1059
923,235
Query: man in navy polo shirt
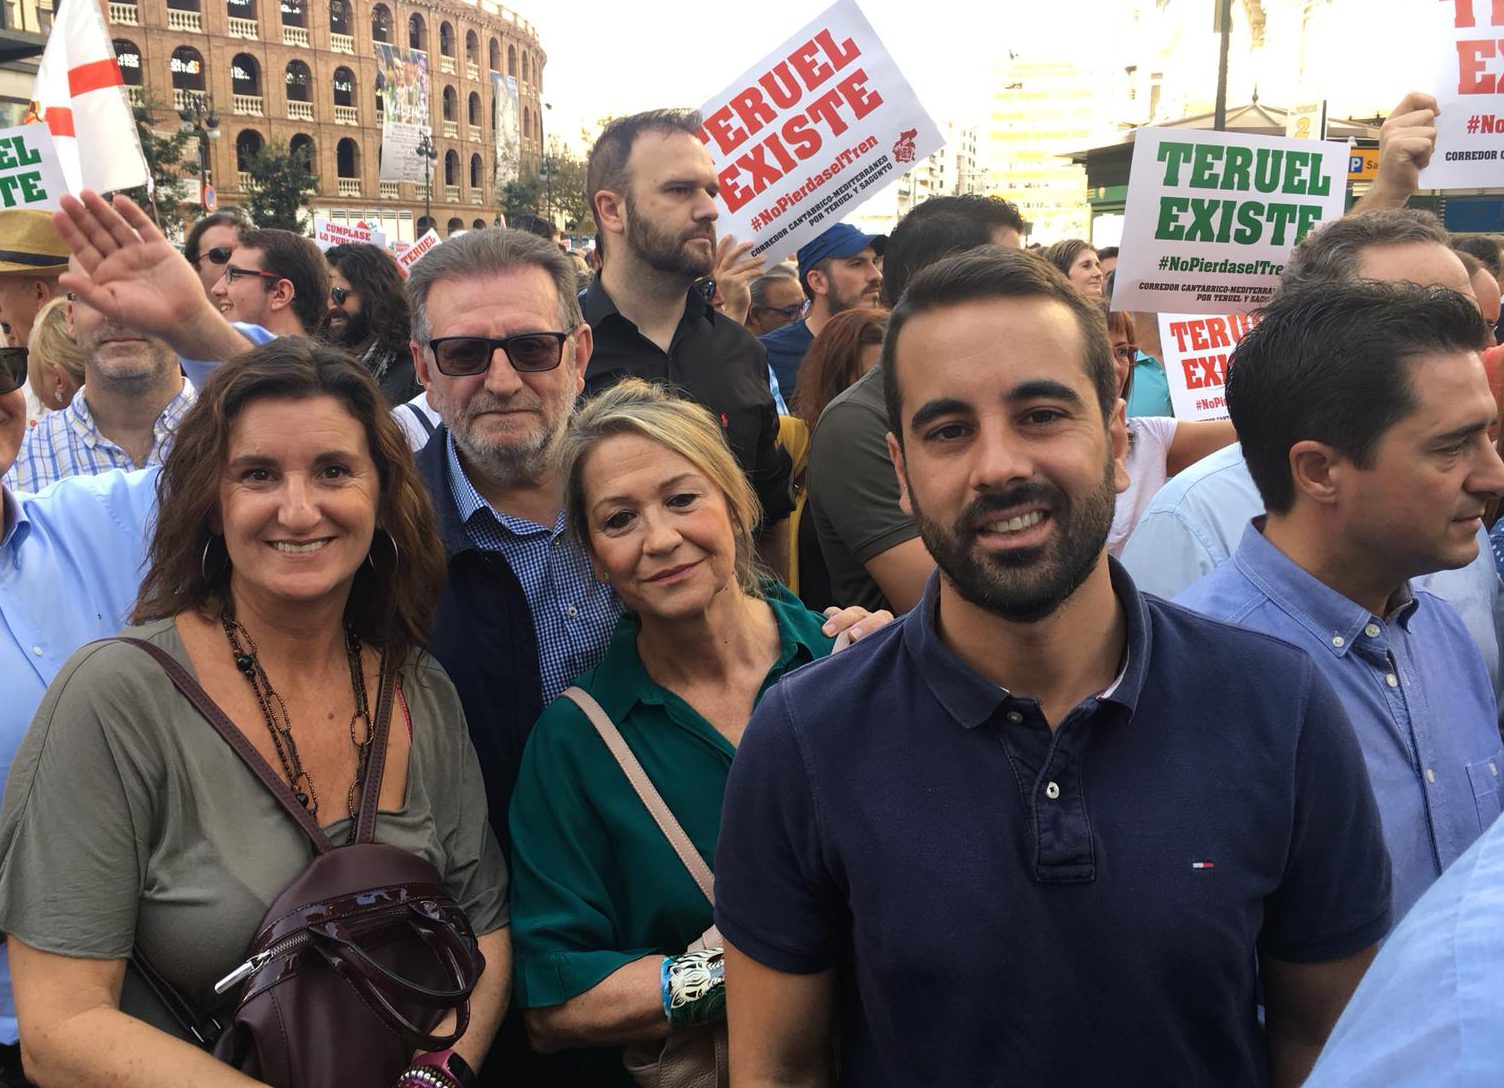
x,y
838,271
1043,830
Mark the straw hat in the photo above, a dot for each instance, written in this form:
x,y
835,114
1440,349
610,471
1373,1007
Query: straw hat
x,y
30,244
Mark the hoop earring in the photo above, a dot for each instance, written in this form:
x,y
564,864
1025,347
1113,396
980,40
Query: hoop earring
x,y
203,561
396,553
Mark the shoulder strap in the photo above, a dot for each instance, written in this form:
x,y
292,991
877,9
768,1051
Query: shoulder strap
x,y
235,739
644,789
370,793
422,416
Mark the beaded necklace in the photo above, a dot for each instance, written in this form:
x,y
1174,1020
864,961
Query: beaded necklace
x,y
274,712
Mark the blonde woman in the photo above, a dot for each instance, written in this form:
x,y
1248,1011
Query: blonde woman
x,y
602,906
54,365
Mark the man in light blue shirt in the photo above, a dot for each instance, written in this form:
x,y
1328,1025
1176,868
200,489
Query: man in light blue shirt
x,y
1197,518
1365,414
1430,1010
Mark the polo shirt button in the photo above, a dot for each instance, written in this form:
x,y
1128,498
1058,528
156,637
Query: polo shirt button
x,y
1430,776
1372,630
1013,716
1392,680
1338,641
1051,790
37,650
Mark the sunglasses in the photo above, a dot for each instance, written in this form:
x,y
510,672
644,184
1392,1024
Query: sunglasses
x,y
233,273
792,312
339,294
12,369
217,255
529,352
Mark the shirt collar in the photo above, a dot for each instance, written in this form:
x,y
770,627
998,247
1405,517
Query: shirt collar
x,y
1333,620
14,525
470,502
598,306
83,425
972,699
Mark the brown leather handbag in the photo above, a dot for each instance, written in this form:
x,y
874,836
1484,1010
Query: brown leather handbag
x,y
696,1057
355,964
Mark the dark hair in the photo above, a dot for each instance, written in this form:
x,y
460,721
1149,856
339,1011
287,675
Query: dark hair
x,y
834,359
1122,321
993,211
297,260
606,167
533,224
1106,252
393,609
821,266
1063,254
993,273
1482,246
373,272
919,241
230,217
1331,252
1327,362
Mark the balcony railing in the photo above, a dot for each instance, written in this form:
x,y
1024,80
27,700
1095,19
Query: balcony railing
x,y
347,115
472,70
452,129
244,178
391,190
249,105
452,193
295,35
180,98
137,95
475,136
477,196
124,15
349,186
244,28
191,21
299,111
446,65
341,43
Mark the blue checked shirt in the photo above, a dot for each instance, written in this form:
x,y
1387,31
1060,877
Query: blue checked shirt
x,y
68,443
573,613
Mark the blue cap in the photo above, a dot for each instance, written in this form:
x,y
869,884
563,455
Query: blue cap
x,y
841,240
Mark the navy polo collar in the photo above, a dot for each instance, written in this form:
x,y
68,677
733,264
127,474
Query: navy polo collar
x,y
972,699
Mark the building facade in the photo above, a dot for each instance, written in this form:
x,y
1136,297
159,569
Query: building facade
x,y
304,73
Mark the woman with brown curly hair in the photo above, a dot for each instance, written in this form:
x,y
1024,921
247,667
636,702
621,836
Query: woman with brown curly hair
x,y
848,346
294,559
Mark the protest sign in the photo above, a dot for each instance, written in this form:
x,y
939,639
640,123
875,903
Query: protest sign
x,y
1211,217
1196,349
30,174
508,128
402,82
1469,88
811,131
414,253
327,233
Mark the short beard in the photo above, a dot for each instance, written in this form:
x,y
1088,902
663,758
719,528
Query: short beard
x,y
520,464
1028,586
667,255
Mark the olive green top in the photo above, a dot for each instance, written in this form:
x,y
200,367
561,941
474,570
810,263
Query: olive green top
x,y
127,819
595,883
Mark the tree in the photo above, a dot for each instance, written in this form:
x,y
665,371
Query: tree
x,y
281,181
173,167
565,191
522,196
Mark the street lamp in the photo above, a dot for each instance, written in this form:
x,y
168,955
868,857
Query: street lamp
x,y
197,116
429,153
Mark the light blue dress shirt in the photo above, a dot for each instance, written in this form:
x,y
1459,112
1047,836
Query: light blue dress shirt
x,y
1197,519
1418,697
1430,1011
70,565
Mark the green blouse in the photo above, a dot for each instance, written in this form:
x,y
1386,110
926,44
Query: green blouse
x,y
594,884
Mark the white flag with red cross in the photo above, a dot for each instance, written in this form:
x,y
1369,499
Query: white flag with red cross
x,y
80,97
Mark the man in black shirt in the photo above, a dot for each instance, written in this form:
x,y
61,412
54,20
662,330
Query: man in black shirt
x,y
652,187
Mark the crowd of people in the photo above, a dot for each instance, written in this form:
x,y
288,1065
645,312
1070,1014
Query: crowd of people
x,y
1181,763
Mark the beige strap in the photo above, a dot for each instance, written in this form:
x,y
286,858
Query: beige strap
x,y
644,789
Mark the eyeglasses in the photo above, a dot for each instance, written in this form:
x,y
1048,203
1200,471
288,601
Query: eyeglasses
x,y
233,273
529,352
339,294
792,312
12,369
1126,352
217,255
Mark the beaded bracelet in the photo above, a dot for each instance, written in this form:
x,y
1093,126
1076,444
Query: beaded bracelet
x,y
693,987
426,1076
